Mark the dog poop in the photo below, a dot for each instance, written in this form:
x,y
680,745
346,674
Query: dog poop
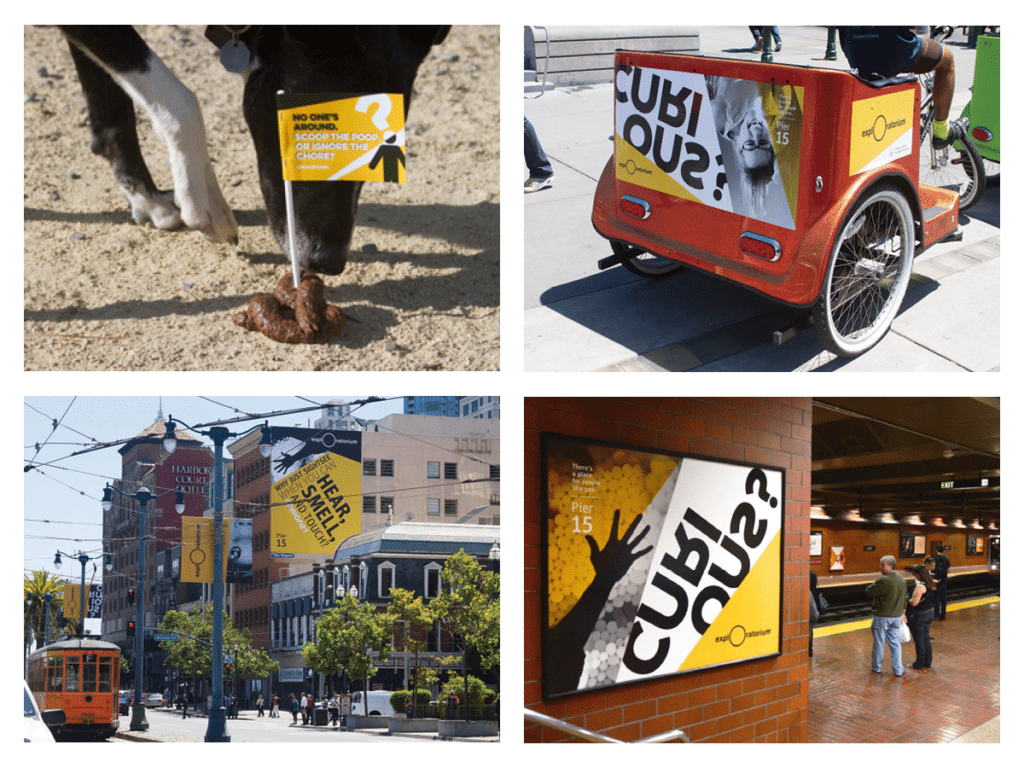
x,y
293,316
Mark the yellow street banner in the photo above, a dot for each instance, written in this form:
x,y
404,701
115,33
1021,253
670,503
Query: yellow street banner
x,y
316,493
197,550
346,138
73,595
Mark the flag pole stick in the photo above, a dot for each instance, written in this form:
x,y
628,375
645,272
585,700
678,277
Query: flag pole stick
x,y
289,206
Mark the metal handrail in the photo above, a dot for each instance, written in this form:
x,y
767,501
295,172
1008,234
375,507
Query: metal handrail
x,y
547,59
582,733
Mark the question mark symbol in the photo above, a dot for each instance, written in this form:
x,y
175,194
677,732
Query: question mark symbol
x,y
380,115
758,476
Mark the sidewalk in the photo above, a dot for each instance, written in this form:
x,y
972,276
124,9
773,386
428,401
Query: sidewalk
x,y
578,318
285,718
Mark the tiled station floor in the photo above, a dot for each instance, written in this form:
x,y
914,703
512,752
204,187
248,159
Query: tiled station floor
x,y
960,693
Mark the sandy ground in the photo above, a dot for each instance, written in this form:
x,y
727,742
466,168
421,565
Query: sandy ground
x,y
421,291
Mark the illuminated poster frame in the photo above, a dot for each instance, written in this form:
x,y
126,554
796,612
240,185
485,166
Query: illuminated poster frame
x,y
655,563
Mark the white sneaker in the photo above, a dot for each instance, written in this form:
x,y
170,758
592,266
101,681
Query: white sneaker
x,y
536,185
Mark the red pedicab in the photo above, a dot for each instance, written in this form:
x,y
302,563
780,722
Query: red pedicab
x,y
798,182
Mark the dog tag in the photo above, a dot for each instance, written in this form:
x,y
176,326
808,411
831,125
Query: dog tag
x,y
234,55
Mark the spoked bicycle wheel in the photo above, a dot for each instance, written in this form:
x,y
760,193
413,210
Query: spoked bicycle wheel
x,y
868,273
958,167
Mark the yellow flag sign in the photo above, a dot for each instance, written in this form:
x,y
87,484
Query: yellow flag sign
x,y
348,138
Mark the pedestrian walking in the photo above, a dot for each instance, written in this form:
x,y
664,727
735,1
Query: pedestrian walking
x,y
453,706
275,706
295,710
183,701
541,172
259,705
332,708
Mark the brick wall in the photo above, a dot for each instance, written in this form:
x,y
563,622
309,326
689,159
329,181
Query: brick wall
x,y
762,700
886,541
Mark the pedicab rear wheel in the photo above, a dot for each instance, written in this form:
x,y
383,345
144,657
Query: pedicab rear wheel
x,y
646,264
868,273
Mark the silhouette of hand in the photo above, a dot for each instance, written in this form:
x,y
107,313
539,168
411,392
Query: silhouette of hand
x,y
284,461
613,562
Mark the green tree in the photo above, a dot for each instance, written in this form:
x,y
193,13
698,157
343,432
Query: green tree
x,y
470,603
194,659
410,619
346,637
37,585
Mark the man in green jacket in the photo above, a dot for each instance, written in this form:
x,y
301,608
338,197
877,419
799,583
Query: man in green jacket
x,y
888,596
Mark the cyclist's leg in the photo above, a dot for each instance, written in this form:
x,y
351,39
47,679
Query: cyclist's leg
x,y
936,57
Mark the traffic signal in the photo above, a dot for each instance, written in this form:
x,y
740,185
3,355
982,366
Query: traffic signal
x,y
131,629
131,597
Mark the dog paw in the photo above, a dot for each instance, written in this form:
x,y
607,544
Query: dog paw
x,y
158,210
204,209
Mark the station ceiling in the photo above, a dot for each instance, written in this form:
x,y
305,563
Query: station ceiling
x,y
893,455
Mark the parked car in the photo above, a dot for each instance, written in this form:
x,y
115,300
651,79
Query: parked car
x,y
37,726
153,700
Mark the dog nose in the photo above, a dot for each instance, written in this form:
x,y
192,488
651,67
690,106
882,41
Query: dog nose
x,y
328,261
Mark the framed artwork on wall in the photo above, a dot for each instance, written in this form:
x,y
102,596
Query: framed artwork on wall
x,y
816,543
975,544
912,544
655,563
837,559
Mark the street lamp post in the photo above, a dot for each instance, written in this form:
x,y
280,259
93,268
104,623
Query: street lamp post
x,y
216,725
143,496
83,559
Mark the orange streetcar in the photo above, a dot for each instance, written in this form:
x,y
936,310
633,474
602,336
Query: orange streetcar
x,y
81,677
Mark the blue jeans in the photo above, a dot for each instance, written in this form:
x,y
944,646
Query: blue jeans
x,y
886,630
536,160
756,32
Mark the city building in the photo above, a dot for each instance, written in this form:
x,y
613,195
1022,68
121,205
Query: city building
x,y
406,555
487,407
145,464
432,405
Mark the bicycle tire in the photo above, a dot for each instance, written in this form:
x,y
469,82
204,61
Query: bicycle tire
x,y
868,273
958,167
647,264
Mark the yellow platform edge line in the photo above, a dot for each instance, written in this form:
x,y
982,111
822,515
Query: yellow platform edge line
x,y
853,626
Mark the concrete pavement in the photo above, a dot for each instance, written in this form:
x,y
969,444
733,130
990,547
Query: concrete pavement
x,y
578,318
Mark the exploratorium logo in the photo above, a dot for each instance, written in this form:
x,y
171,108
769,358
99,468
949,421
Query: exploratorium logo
x,y
739,634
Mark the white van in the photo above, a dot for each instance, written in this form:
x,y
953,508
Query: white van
x,y
380,703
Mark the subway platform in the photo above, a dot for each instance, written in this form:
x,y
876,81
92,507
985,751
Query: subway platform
x,y
957,700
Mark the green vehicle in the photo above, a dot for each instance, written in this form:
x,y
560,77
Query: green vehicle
x,y
983,108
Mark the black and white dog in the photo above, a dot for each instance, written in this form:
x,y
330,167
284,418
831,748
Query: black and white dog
x,y
116,67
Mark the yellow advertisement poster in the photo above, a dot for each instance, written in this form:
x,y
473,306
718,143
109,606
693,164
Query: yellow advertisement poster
x,y
316,496
880,130
656,563
356,138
